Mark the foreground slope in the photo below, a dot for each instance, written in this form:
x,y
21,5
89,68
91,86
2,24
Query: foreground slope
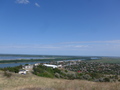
x,y
32,82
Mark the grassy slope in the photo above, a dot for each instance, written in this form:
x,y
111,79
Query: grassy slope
x,y
32,82
106,60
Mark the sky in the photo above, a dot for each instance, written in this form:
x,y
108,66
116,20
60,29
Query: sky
x,y
60,27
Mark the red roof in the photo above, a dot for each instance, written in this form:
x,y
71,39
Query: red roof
x,y
78,71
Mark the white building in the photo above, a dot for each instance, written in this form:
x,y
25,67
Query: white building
x,y
48,65
28,67
59,66
36,64
22,72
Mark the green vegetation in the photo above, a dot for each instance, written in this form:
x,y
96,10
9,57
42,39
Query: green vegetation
x,y
57,58
37,60
44,71
7,74
12,69
99,72
106,60
46,58
90,67
33,82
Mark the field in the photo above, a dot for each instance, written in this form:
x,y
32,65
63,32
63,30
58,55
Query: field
x,y
32,82
106,60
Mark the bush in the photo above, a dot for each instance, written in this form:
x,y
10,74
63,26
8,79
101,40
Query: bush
x,y
66,71
95,75
85,77
46,74
7,74
57,75
106,79
44,71
12,69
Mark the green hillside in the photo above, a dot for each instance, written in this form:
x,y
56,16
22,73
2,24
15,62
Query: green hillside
x,y
33,82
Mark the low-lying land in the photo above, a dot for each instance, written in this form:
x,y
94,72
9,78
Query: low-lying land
x,y
91,71
99,74
21,58
37,60
106,60
59,58
32,82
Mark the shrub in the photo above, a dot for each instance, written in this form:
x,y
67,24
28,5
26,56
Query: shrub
x,y
119,80
7,74
66,71
12,69
44,71
106,79
95,75
57,75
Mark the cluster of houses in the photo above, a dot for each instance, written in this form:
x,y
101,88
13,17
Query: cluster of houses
x,y
25,69
58,64
95,67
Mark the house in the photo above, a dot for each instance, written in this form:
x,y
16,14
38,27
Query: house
x,y
22,72
28,67
78,71
49,65
59,66
36,64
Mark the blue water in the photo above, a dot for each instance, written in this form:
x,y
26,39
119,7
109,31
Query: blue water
x,y
17,64
19,57
22,57
20,63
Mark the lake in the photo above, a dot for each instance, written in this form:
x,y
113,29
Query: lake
x,y
20,57
17,64
14,57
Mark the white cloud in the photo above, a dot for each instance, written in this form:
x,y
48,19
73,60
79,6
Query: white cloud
x,y
81,46
22,1
29,46
47,47
36,4
112,41
103,48
73,46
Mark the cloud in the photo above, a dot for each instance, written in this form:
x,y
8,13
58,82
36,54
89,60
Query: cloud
x,y
81,46
103,48
22,1
93,46
29,46
112,41
47,47
73,46
36,4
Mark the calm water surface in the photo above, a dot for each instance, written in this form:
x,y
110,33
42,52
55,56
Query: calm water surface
x,y
19,57
17,64
23,63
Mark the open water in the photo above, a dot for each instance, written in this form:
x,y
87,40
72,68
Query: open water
x,y
8,57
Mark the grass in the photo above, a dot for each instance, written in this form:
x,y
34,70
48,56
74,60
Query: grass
x,y
32,82
106,60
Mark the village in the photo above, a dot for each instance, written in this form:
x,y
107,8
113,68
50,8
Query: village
x,y
78,66
70,69
54,64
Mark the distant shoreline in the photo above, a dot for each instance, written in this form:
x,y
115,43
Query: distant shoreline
x,y
33,60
